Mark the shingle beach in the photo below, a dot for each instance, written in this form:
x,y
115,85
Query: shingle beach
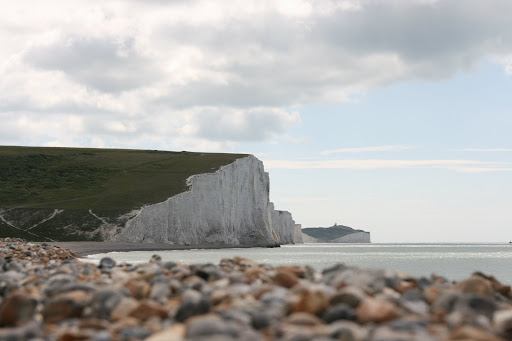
x,y
47,293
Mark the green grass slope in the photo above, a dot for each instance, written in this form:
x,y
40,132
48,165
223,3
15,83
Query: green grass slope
x,y
329,233
80,178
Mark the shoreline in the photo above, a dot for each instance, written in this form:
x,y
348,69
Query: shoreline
x,y
83,249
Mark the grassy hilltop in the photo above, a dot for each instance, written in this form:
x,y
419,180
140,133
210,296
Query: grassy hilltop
x,y
37,180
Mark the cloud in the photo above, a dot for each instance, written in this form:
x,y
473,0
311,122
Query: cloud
x,y
168,70
237,125
366,149
456,165
485,150
105,64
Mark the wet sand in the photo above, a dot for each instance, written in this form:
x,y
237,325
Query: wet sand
x,y
82,249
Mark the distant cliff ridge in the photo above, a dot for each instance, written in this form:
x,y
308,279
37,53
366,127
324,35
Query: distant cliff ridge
x,y
334,234
65,194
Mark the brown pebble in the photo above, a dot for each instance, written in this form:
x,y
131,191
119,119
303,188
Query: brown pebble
x,y
313,302
403,286
374,310
285,279
138,289
303,319
147,309
472,333
431,293
17,309
64,306
475,285
174,333
124,308
297,270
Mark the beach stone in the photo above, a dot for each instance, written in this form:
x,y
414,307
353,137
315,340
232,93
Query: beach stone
x,y
160,290
385,333
285,278
504,290
64,306
208,272
415,307
261,320
408,324
169,265
133,333
107,263
138,288
58,284
476,304
104,301
123,309
219,296
374,310
28,331
175,333
192,307
475,285
303,319
347,331
473,333
155,259
147,309
297,270
17,309
311,301
351,296
340,311
9,282
413,295
503,323
209,325
446,301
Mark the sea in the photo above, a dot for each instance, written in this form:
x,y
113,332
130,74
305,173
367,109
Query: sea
x,y
453,261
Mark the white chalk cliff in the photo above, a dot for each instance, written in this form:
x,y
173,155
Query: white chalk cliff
x,y
228,207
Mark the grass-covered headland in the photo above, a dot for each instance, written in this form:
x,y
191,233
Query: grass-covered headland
x,y
36,181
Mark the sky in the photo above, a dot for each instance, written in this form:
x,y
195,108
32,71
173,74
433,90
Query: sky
x,y
392,116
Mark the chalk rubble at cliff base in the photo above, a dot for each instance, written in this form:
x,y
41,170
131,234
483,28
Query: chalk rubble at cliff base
x,y
47,294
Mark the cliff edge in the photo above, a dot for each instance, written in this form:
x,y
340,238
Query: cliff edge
x,y
77,194
230,206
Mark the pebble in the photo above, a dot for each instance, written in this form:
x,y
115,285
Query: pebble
x,y
48,294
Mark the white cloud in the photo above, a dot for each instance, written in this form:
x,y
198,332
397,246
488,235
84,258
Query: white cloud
x,y
484,150
165,70
366,149
456,165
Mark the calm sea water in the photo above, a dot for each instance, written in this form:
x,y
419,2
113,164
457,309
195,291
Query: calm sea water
x,y
454,261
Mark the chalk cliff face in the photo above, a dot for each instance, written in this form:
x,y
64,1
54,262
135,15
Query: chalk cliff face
x,y
230,206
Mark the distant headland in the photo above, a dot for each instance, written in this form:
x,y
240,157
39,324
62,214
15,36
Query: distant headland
x,y
334,234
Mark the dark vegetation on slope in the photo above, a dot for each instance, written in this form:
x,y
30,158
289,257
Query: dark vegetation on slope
x,y
329,233
88,187
81,178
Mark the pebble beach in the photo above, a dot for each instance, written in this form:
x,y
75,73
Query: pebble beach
x,y
47,293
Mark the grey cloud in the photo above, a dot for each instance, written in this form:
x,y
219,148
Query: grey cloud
x,y
273,60
246,63
105,64
421,31
253,125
